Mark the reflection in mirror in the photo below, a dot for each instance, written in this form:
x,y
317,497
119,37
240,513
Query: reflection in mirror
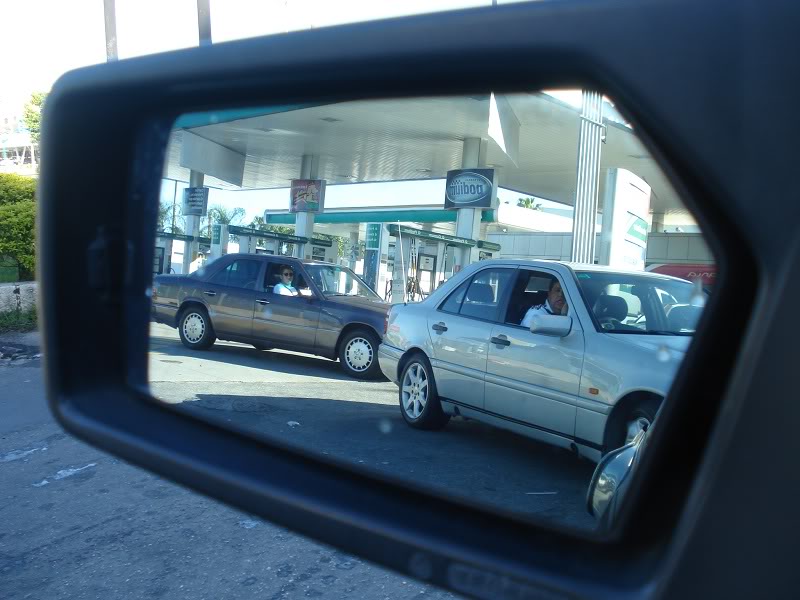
x,y
414,288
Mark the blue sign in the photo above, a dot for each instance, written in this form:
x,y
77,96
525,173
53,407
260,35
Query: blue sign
x,y
469,188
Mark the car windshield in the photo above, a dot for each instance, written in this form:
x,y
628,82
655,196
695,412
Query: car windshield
x,y
339,281
639,304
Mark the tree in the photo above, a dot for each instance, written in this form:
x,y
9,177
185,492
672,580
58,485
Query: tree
x,y
16,188
165,217
260,224
32,114
225,216
17,235
221,215
18,222
529,203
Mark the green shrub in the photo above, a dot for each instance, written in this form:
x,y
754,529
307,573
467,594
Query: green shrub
x,y
16,188
24,320
17,236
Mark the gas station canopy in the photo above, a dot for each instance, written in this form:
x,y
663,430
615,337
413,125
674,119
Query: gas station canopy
x,y
411,139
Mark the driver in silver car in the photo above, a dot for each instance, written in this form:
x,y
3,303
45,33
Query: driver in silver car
x,y
555,304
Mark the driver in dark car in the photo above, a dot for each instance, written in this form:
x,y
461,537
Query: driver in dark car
x,y
285,287
555,304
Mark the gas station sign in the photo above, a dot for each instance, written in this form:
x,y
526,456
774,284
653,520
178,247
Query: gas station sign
x,y
470,188
307,195
373,236
623,240
195,202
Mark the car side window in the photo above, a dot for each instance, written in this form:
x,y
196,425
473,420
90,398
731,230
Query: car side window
x,y
241,273
454,300
272,277
530,290
632,308
485,293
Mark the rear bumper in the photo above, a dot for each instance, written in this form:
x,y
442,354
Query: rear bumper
x,y
388,358
167,315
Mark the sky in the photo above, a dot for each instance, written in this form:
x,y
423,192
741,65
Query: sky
x,y
45,38
50,37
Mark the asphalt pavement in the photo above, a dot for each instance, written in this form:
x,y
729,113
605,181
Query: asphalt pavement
x,y
308,402
78,523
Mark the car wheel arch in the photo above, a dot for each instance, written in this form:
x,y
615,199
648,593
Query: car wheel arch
x,y
187,305
352,327
407,356
623,407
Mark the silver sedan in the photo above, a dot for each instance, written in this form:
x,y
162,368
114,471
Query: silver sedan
x,y
578,356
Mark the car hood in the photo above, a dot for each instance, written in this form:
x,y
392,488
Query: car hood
x,y
654,343
361,302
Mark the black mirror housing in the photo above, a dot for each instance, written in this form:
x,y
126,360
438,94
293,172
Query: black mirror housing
x,y
121,114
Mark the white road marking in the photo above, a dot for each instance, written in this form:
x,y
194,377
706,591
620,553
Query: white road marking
x,y
64,473
18,454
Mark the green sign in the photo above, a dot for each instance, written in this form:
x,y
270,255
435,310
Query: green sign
x,y
257,233
638,228
374,236
396,230
491,246
216,234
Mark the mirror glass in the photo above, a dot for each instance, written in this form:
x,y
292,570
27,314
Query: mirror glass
x,y
358,280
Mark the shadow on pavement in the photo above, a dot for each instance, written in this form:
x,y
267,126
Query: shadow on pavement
x,y
246,356
469,460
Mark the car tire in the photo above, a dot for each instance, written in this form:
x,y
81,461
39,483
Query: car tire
x,y
419,398
358,354
195,328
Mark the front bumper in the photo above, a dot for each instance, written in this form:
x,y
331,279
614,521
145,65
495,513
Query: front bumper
x,y
388,358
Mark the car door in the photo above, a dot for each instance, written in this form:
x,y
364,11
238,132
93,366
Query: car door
x,y
286,321
533,378
230,294
460,329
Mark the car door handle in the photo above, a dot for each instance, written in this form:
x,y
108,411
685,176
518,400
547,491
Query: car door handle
x,y
262,301
501,340
440,327
210,293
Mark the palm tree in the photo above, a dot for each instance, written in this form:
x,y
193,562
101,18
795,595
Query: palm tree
x,y
165,219
224,216
258,223
529,203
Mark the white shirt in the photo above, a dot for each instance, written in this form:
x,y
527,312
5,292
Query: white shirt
x,y
284,290
542,309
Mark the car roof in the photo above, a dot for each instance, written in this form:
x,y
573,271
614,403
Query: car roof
x,y
574,266
281,258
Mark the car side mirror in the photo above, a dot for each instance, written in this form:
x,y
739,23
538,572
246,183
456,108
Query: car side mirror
x,y
555,325
609,480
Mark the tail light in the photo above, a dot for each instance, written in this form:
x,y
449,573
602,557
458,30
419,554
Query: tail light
x,y
386,321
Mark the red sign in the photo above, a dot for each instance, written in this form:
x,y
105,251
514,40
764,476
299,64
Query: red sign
x,y
705,273
307,195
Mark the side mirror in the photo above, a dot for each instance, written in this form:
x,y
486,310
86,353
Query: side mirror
x,y
555,325
609,482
